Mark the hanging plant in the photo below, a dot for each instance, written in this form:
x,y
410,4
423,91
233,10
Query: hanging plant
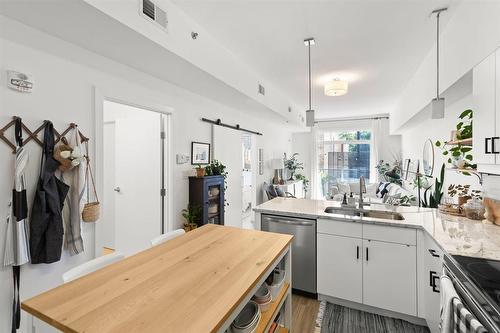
x,y
460,155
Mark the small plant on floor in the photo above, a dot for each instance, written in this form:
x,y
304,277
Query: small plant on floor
x,y
191,214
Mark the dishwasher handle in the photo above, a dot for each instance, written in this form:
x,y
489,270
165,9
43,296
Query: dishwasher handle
x,y
288,220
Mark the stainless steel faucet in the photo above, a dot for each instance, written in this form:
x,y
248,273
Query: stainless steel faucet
x,y
362,189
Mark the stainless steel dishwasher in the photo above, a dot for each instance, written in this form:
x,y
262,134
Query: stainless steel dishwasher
x,y
303,248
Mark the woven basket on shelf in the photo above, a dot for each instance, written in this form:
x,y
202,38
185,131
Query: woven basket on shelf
x,y
92,209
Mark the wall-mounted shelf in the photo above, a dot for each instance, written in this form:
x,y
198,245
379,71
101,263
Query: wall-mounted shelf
x,y
465,142
468,171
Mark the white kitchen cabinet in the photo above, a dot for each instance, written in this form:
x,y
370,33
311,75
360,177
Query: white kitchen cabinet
x,y
433,267
340,266
389,276
484,95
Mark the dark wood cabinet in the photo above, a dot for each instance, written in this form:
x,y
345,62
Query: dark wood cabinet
x,y
208,193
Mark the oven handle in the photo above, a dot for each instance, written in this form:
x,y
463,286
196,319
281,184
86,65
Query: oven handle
x,y
470,302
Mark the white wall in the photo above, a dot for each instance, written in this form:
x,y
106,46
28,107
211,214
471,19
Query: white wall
x,y
64,93
472,33
417,131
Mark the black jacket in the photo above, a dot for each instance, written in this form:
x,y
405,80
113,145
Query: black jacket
x,y
46,226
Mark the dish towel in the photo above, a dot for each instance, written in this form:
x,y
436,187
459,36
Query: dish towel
x,y
463,320
448,293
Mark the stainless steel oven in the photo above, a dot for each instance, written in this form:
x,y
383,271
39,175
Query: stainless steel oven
x,y
477,282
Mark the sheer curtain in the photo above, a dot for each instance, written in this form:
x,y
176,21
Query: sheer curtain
x,y
375,142
315,178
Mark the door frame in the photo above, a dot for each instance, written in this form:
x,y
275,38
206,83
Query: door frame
x,y
131,99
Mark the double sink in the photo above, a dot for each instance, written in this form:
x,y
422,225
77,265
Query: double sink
x,y
378,214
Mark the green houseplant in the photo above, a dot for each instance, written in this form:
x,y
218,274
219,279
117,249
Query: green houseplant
x,y
458,153
293,164
305,181
191,214
436,197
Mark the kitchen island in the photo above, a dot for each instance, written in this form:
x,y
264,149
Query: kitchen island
x,y
198,282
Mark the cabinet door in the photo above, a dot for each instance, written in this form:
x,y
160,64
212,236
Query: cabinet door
x,y
484,109
433,266
340,267
390,276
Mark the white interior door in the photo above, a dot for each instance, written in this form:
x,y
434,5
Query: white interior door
x,y
228,150
137,181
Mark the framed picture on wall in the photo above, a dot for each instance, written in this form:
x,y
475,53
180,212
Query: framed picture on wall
x,y
200,153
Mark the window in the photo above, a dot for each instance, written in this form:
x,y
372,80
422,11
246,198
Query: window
x,y
343,156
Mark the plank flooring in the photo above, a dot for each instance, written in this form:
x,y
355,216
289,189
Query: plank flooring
x,y
304,312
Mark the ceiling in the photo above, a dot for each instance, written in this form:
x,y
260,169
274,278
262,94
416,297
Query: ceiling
x,y
377,45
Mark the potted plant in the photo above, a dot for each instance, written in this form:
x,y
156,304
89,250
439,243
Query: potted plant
x,y
459,155
305,181
200,171
216,168
292,164
191,214
464,193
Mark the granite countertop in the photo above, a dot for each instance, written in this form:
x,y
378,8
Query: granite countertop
x,y
455,235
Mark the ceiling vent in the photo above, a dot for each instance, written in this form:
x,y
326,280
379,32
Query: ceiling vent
x,y
152,12
262,90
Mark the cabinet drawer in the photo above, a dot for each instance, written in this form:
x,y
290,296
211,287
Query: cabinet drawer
x,y
340,228
390,234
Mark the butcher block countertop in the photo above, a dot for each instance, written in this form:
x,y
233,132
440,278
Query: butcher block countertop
x,y
192,283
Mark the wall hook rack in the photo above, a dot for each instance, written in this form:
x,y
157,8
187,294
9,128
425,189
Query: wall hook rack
x,y
33,135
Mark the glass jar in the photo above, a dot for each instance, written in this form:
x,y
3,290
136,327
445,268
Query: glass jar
x,y
474,209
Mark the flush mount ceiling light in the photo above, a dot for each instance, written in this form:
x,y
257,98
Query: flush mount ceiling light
x,y
437,104
310,112
336,87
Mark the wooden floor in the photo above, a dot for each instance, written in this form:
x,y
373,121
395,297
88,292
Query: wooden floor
x,y
304,313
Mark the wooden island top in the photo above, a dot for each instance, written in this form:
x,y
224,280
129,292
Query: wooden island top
x,y
193,283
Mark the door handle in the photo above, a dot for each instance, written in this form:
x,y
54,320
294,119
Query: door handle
x,y
433,253
357,252
117,189
366,254
433,278
486,144
493,147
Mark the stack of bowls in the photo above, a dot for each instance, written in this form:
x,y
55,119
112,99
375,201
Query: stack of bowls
x,y
263,297
247,320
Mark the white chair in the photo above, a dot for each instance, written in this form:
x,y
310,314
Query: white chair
x,y
92,266
167,236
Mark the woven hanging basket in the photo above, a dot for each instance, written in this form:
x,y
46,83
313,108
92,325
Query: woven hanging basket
x,y
92,209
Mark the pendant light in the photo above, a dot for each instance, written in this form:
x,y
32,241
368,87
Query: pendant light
x,y
437,104
310,112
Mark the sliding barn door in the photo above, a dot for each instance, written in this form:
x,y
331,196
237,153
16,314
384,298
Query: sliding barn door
x,y
228,150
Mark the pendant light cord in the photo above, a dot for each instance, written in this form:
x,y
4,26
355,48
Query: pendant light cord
x,y
437,55
309,49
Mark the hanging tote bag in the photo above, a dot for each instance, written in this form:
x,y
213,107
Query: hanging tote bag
x,y
92,209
